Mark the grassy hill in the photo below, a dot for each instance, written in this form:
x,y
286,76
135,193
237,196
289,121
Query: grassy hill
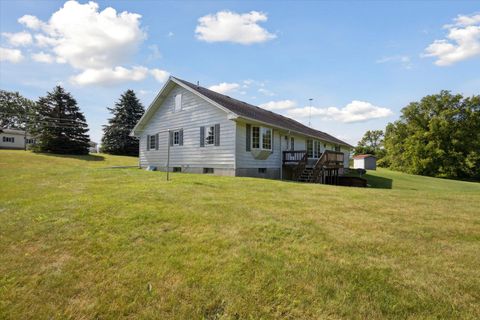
x,y
81,241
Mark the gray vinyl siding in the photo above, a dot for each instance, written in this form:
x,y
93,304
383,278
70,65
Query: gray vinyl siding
x,y
191,157
245,158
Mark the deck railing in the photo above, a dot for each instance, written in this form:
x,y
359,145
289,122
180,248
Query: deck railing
x,y
293,157
328,157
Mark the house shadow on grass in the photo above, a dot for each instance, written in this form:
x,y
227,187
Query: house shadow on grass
x,y
87,157
378,182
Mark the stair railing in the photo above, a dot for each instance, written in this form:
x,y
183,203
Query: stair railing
x,y
318,168
302,163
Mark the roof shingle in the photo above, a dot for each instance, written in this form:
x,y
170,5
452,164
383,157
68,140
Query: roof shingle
x,y
247,110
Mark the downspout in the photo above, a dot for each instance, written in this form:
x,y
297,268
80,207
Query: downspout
x,y
281,156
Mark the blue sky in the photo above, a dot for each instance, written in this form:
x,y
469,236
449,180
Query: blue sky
x,y
361,62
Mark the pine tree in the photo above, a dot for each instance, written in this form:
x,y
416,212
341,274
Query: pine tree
x,y
126,113
58,124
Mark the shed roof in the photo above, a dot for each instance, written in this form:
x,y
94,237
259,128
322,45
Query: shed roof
x,y
363,156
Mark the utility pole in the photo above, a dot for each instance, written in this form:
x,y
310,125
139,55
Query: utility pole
x,y
310,114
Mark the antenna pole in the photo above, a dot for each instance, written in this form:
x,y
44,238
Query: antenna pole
x,y
310,113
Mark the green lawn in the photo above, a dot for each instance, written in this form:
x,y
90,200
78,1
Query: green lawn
x,y
84,242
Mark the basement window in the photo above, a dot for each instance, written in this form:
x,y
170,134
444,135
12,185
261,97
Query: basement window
x,y
207,170
177,169
262,170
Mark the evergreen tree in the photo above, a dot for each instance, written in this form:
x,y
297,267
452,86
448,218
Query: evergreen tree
x,y
126,113
58,124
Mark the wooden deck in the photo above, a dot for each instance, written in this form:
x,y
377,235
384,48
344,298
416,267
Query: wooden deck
x,y
324,169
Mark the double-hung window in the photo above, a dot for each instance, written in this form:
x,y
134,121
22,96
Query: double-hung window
x,y
9,139
310,148
256,137
261,138
317,151
176,138
152,142
266,138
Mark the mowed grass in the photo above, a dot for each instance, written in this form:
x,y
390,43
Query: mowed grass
x,y
80,241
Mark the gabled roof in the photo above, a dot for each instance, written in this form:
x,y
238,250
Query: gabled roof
x,y
12,131
363,156
248,111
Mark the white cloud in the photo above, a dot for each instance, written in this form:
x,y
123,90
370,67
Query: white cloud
x,y
224,87
279,105
96,42
170,34
43,57
463,41
355,111
266,92
31,22
18,39
87,38
11,55
405,61
233,27
463,20
110,76
160,75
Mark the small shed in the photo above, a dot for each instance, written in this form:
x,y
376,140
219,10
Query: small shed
x,y
365,161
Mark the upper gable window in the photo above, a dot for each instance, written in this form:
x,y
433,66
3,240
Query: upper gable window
x,y
178,103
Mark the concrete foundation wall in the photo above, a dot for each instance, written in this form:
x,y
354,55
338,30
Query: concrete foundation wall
x,y
270,173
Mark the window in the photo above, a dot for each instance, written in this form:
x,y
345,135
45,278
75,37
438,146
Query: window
x,y
261,138
30,141
337,148
317,151
256,137
262,170
177,169
210,136
178,102
292,143
266,139
176,138
152,142
310,148
207,170
9,139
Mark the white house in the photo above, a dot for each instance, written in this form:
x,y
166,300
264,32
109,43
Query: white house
x,y
14,139
365,161
193,129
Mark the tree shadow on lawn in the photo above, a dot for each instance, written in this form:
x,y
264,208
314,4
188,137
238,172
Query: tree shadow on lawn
x,y
373,181
378,182
86,157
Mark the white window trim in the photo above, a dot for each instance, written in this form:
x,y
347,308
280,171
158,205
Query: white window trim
x,y
260,142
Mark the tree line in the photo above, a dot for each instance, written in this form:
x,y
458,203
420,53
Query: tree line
x,y
58,125
437,136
